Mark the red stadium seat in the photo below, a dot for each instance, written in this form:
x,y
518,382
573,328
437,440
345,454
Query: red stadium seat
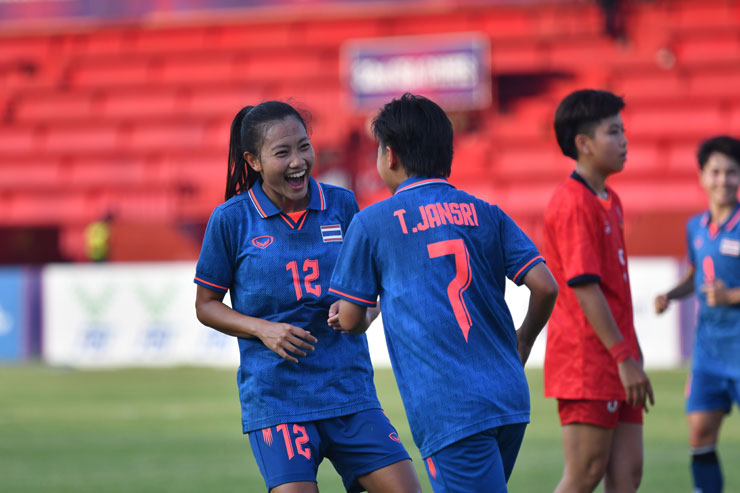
x,y
154,136
56,107
140,104
111,72
18,140
197,69
81,138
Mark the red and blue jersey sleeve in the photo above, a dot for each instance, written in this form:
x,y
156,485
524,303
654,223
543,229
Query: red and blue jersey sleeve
x,y
216,262
520,254
356,267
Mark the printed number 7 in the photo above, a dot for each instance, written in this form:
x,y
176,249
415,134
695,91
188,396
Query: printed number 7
x,y
460,283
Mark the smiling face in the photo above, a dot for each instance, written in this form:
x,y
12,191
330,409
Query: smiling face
x,y
606,148
720,178
285,162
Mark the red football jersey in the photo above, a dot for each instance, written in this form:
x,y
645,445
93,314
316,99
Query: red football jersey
x,y
584,242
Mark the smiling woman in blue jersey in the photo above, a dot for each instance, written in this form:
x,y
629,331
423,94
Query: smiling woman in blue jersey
x,y
713,245
306,391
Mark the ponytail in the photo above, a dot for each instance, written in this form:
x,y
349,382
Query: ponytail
x,y
239,175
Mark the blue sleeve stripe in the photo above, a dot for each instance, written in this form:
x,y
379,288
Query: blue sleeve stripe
x,y
538,257
349,297
210,284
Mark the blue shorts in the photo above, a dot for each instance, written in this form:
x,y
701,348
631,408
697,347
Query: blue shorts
x,y
480,462
356,444
707,392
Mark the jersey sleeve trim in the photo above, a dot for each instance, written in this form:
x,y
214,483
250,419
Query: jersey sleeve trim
x,y
353,299
209,285
525,269
583,279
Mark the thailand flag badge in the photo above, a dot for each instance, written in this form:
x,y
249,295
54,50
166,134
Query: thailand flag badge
x,y
331,232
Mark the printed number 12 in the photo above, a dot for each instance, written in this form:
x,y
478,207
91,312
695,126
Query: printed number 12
x,y
311,266
460,283
301,440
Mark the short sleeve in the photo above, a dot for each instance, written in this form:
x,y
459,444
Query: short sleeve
x,y
577,243
355,272
519,252
216,262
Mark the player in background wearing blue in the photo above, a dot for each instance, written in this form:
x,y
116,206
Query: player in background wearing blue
x,y
713,246
306,391
439,258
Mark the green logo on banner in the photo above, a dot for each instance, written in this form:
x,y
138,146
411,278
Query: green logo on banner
x,y
157,302
95,303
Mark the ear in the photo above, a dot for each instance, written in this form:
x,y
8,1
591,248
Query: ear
x,y
392,161
253,162
583,144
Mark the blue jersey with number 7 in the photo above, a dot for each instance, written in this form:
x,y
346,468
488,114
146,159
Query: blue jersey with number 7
x,y
438,258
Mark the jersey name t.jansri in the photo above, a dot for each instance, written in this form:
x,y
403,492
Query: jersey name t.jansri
x,y
439,258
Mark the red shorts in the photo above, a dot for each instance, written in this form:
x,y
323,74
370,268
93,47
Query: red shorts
x,y
606,414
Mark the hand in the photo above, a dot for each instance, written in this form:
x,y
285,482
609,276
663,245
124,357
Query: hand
x,y
286,340
636,384
333,320
523,348
716,293
661,303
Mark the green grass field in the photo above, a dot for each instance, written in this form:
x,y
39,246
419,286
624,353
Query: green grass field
x,y
179,430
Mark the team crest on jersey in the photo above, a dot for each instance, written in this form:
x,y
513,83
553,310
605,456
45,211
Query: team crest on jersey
x,y
612,406
331,232
607,228
729,247
263,241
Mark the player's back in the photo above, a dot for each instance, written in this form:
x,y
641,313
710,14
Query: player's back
x,y
441,258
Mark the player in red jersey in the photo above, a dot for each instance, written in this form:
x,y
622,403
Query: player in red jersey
x,y
593,362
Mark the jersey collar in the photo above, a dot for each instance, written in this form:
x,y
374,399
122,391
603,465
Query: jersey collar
x,y
266,208
420,181
606,202
729,223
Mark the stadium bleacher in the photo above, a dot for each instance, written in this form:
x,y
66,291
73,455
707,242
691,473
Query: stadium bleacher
x,y
134,117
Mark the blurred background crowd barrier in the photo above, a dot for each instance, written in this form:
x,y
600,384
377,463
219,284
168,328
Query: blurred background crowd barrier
x,y
115,115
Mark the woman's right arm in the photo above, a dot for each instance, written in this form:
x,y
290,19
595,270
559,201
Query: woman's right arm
x,y
682,289
285,339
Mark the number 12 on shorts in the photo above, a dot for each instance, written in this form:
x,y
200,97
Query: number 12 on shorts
x,y
462,279
300,440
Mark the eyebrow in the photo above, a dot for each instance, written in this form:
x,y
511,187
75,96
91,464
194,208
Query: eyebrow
x,y
287,146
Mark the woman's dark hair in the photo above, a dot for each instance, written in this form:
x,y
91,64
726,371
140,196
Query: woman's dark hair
x,y
729,146
579,113
247,135
419,132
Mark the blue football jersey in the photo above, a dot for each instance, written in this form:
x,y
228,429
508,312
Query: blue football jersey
x,y
714,251
439,258
278,269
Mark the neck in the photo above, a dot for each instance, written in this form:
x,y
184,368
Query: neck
x,y
721,212
595,180
394,181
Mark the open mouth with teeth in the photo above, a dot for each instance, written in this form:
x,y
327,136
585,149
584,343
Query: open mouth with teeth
x,y
297,180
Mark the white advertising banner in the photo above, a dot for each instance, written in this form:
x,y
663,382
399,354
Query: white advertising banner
x,y
112,315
